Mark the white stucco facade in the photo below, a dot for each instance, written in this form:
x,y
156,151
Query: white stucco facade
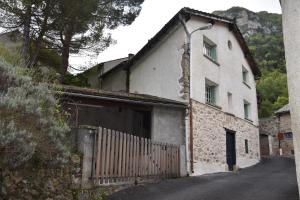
x,y
291,31
228,74
159,72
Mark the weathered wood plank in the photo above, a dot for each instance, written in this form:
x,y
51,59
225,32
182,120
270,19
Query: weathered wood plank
x,y
124,157
116,163
103,154
120,156
108,154
130,174
134,157
98,158
112,154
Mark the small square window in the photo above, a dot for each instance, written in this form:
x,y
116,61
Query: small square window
x,y
247,110
211,92
245,75
288,135
209,49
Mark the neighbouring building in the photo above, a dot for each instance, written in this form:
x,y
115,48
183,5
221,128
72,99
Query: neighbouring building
x,y
214,74
276,133
94,74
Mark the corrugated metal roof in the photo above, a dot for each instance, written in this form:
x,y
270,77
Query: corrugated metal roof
x,y
121,96
284,109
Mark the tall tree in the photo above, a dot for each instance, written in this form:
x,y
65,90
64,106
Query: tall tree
x,y
16,15
32,18
84,25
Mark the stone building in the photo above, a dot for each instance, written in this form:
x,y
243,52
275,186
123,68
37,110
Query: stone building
x,y
212,71
276,134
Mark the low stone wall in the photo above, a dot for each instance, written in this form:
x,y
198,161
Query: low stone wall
x,y
209,144
36,183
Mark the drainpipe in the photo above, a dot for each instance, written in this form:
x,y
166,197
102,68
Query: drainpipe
x,y
187,51
189,118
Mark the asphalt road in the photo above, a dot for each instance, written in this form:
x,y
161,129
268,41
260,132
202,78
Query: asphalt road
x,y
272,179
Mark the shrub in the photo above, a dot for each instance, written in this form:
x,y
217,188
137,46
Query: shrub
x,y
32,127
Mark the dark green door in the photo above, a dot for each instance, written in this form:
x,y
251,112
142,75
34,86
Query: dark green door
x,y
230,149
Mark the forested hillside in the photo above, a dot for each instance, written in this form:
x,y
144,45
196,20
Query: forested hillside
x,y
263,33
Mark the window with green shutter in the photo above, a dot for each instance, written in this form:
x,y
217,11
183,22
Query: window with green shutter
x,y
209,49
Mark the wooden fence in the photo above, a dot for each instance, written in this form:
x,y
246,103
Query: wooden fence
x,y
120,157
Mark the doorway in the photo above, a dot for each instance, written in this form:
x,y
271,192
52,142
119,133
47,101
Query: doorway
x,y
230,149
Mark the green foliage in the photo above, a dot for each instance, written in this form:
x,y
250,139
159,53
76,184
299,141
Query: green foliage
x,y
266,108
48,57
80,80
268,51
10,55
31,122
272,88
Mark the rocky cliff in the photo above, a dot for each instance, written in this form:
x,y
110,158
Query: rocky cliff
x,y
263,33
252,23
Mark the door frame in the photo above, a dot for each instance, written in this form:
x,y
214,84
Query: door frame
x,y
233,133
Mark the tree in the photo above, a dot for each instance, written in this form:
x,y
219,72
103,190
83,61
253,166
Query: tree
x,y
32,18
83,25
273,91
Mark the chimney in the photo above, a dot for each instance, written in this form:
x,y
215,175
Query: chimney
x,y
130,56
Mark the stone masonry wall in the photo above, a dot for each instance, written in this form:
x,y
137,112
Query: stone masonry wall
x,y
268,126
209,144
274,125
285,126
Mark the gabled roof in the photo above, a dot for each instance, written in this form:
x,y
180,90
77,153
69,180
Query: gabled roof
x,y
187,13
284,109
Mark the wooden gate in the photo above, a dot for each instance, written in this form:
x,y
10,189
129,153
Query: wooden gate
x,y
120,157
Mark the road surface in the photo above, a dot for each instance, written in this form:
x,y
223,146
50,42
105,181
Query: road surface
x,y
272,179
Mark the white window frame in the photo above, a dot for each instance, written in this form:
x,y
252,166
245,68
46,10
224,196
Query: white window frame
x,y
245,74
210,49
211,92
247,110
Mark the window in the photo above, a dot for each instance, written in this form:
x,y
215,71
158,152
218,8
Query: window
x,y
209,49
247,113
245,76
288,135
230,105
229,44
211,92
246,146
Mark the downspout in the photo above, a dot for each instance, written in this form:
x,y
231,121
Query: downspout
x,y
130,56
187,51
127,79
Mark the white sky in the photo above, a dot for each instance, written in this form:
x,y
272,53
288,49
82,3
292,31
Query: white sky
x,y
154,15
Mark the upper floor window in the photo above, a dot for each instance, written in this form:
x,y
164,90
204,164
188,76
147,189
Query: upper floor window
x,y
247,110
229,43
209,49
211,90
245,76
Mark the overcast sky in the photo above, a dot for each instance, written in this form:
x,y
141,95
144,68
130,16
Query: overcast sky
x,y
154,15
